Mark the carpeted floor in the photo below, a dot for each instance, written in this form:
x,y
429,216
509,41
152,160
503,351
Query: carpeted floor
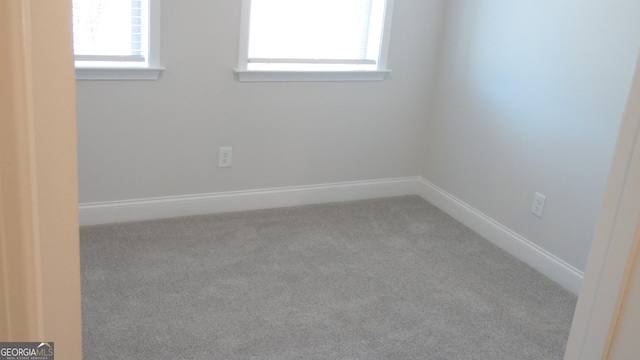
x,y
379,279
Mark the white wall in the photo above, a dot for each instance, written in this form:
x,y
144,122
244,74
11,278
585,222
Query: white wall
x,y
530,98
514,97
150,139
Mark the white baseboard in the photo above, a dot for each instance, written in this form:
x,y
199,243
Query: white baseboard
x,y
176,206
543,261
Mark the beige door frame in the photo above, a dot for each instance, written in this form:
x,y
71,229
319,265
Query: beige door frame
x,y
612,255
39,247
625,343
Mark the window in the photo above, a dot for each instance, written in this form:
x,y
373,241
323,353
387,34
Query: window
x,y
116,39
314,40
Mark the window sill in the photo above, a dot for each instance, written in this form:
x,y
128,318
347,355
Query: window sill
x,y
95,73
296,76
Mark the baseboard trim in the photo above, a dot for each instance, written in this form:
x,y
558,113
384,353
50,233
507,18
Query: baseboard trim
x,y
523,249
175,206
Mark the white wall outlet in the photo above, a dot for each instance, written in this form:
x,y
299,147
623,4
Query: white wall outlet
x,y
538,204
224,157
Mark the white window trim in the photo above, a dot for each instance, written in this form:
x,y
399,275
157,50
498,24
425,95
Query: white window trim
x,y
152,72
245,75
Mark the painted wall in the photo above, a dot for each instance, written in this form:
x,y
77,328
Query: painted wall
x,y
530,98
151,139
514,97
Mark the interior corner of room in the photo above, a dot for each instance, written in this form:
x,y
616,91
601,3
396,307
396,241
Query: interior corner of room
x,y
508,116
488,104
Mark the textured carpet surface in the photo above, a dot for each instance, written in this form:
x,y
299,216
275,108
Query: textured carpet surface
x,y
390,278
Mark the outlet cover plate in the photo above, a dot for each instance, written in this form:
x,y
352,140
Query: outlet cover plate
x,y
224,157
537,208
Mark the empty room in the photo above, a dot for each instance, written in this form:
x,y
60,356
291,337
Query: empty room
x,y
362,179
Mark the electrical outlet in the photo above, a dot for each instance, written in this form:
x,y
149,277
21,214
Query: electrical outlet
x,y
224,157
538,204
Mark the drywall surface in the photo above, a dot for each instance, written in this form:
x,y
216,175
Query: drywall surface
x,y
150,139
530,98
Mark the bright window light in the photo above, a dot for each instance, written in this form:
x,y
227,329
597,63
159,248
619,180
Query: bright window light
x,y
314,35
111,33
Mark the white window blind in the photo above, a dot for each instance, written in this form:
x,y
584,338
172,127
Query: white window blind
x,y
315,34
111,32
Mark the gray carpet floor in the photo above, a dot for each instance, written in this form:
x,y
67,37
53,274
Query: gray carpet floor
x,y
391,278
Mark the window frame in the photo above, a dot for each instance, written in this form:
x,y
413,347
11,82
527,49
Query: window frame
x,y
243,74
152,71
